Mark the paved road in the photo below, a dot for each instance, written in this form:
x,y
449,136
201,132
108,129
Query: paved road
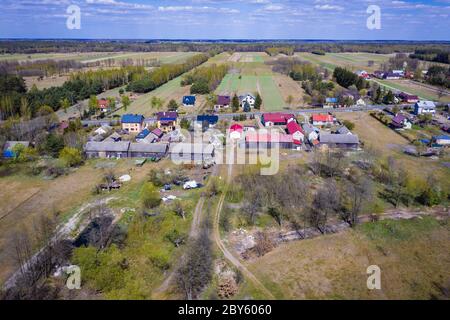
x,y
229,116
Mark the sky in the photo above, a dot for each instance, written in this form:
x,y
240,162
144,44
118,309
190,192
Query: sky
x,y
227,19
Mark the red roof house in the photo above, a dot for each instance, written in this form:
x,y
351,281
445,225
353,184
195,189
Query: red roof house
x,y
322,119
296,131
276,119
103,104
236,131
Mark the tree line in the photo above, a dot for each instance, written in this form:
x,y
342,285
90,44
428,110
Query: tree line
x,y
154,79
205,79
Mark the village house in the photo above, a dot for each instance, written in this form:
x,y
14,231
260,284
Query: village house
x,y
105,129
275,119
236,131
401,122
158,133
167,121
208,120
379,74
295,131
114,137
361,102
103,105
311,133
247,98
322,119
191,152
268,141
363,74
424,107
132,123
142,135
223,102
189,101
408,98
343,141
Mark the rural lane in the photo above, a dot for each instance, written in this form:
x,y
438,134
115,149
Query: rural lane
x,y
227,254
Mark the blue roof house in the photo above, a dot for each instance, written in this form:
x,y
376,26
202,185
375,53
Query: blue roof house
x,y
189,101
132,122
211,119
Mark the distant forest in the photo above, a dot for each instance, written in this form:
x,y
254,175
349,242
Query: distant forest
x,y
63,46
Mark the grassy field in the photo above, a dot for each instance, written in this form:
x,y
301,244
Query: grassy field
x,y
413,256
163,57
352,61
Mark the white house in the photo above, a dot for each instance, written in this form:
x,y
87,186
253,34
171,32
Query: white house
x,y
361,103
422,107
249,98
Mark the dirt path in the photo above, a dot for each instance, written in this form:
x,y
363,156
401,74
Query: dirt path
x,y
195,227
227,254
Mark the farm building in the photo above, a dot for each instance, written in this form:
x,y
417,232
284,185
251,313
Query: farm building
x,y
8,149
363,74
442,140
107,149
132,123
275,119
189,101
331,103
236,131
144,150
401,122
295,131
188,152
167,121
247,98
392,76
268,141
223,102
343,130
344,141
424,107
322,119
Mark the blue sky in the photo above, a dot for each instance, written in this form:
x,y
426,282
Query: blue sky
x,y
227,19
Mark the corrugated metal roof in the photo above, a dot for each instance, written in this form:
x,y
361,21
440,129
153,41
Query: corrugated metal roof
x,y
107,146
338,138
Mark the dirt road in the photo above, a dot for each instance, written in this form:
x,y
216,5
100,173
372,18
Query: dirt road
x,y
195,227
227,254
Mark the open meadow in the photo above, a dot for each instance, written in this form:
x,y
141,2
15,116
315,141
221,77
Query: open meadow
x,y
413,256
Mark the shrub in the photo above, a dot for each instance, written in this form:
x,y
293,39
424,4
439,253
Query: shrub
x,y
71,157
150,196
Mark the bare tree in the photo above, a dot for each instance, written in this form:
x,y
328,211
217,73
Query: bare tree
x,y
358,192
327,201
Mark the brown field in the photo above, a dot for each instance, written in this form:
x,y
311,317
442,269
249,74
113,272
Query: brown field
x,y
26,198
289,87
45,83
334,266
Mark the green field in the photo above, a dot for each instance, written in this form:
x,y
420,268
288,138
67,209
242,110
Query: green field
x,y
271,96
